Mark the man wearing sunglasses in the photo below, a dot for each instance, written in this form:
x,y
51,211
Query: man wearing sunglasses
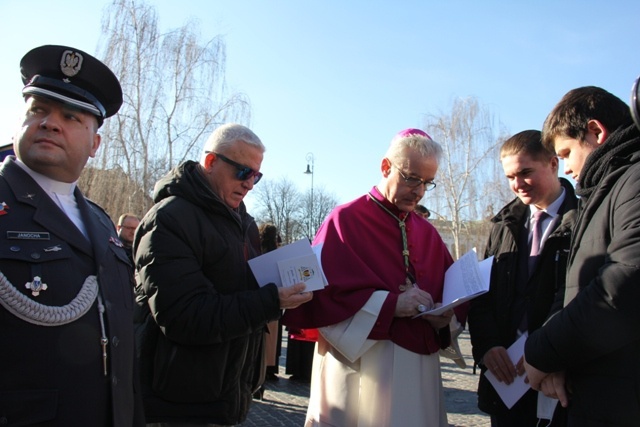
x,y
202,315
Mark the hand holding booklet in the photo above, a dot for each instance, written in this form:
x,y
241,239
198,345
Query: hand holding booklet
x,y
464,280
511,393
298,262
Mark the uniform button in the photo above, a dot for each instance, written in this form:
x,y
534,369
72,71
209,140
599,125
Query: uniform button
x,y
115,341
35,255
114,380
14,249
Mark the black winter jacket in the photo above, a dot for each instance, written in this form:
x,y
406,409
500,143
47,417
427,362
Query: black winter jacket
x,y
491,316
595,338
201,318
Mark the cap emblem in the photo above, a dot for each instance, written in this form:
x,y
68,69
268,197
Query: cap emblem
x,y
70,63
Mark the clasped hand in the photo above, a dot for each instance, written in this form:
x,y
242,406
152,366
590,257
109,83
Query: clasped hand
x,y
551,385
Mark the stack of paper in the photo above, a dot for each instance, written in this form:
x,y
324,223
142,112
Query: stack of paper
x,y
464,280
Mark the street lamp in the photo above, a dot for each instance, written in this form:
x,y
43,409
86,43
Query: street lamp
x,y
309,171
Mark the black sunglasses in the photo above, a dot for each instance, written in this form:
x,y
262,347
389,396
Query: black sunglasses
x,y
244,172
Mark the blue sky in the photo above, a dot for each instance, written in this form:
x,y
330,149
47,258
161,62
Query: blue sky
x,y
340,78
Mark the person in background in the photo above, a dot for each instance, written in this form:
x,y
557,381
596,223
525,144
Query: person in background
x,y
270,240
376,360
587,354
423,211
523,284
66,286
202,315
453,350
300,348
126,227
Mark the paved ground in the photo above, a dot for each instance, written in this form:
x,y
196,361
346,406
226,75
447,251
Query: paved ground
x,y
285,401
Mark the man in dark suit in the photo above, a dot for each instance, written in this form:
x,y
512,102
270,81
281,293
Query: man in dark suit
x,y
524,281
66,327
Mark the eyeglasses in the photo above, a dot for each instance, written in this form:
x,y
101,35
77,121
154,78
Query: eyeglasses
x,y
414,182
244,172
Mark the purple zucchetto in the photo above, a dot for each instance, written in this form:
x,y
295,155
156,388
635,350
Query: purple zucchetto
x,y
411,132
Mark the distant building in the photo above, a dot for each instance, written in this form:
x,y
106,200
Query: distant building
x,y
6,150
474,235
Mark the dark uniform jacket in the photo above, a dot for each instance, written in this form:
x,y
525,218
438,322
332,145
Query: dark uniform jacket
x,y
491,316
202,315
595,338
54,375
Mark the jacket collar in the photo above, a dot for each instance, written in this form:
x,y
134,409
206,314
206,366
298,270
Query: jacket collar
x,y
47,214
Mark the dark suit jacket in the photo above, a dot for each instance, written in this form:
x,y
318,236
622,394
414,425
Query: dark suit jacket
x,y
495,316
54,374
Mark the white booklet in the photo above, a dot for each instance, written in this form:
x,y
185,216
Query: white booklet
x,y
290,264
305,269
464,280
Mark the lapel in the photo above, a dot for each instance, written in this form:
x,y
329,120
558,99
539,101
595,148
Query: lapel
x,y
46,212
98,228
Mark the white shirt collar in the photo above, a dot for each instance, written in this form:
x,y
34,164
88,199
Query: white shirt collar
x,y
553,208
49,185
61,193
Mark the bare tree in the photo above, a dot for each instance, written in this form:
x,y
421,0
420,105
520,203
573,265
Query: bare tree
x,y
315,211
175,94
470,177
282,204
279,203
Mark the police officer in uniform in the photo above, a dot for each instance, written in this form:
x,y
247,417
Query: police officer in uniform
x,y
67,354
